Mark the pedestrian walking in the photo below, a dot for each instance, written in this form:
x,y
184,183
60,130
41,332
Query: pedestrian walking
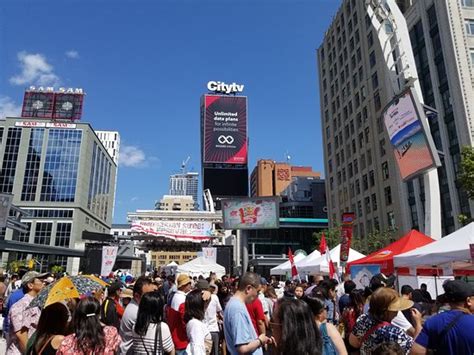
x,y
200,340
111,311
212,315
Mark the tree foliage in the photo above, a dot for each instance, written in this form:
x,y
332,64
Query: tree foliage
x,y
368,244
466,176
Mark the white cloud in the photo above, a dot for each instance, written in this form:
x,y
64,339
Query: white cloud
x,y
131,156
73,54
134,198
35,70
8,108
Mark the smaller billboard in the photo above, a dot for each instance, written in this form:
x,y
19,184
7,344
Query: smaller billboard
x,y
409,135
251,213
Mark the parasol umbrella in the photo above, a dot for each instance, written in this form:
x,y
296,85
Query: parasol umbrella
x,y
67,287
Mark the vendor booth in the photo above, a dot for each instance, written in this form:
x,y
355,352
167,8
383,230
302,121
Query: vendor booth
x,y
320,265
201,266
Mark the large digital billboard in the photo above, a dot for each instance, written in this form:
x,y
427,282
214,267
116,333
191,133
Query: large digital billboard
x,y
409,135
224,129
251,213
226,182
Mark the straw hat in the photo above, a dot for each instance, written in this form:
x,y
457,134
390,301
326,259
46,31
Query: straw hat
x,y
183,280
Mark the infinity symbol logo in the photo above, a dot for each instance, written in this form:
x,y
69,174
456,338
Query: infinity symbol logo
x,y
225,139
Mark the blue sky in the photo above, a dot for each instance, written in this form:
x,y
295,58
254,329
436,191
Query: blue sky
x,y
144,66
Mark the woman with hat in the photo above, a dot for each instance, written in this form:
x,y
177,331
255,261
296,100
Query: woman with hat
x,y
375,328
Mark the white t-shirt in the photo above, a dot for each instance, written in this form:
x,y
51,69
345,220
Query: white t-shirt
x,y
143,345
210,318
198,334
401,321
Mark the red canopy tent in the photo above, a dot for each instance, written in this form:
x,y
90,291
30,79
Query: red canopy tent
x,y
384,256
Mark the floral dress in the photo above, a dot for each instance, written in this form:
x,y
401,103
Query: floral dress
x,y
111,342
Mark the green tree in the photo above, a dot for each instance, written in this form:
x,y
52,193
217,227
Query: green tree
x,y
466,176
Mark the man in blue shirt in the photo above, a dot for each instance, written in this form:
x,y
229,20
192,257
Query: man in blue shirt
x,y
450,332
239,331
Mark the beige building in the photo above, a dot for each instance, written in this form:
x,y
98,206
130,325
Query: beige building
x,y
176,203
270,178
361,172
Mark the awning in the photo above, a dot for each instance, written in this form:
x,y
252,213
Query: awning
x,y
14,246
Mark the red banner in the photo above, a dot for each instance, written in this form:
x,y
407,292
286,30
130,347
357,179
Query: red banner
x,y
346,236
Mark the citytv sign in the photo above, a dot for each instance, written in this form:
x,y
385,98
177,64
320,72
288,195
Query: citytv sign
x,y
220,86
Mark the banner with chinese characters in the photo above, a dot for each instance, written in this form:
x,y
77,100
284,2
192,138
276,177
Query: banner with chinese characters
x,y
346,236
251,213
190,231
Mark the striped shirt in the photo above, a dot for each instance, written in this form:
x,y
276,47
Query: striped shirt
x,y
143,345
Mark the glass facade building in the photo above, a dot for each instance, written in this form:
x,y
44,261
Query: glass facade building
x,y
64,179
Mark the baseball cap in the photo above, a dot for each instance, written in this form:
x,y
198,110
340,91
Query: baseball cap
x,y
202,285
457,290
183,280
31,275
380,280
263,281
114,287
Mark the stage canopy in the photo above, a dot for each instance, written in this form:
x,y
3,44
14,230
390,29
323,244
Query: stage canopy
x,y
384,257
452,248
201,266
321,265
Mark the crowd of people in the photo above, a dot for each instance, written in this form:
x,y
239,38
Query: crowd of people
x,y
177,314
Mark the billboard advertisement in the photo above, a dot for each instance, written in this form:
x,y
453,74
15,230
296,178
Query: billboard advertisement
x,y
224,129
189,231
251,213
65,104
226,182
409,135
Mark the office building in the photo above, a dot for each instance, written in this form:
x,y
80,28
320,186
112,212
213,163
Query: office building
x,y
361,171
185,184
111,142
270,178
175,203
62,176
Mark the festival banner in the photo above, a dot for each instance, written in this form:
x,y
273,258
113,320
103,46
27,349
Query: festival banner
x,y
109,254
190,231
251,213
346,236
210,254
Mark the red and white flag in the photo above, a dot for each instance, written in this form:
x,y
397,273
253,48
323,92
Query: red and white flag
x,y
324,250
294,270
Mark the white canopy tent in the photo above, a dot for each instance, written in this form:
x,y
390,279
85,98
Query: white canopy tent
x,y
452,248
285,267
321,265
201,266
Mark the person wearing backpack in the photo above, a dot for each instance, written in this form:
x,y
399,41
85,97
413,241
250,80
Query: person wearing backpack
x,y
375,328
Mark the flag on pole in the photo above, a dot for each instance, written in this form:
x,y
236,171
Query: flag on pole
x,y
324,250
294,271
322,245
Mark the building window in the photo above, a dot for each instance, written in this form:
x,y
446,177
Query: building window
x,y
382,147
356,167
365,182
471,54
377,102
370,39
61,165
22,237
33,161
357,186
63,234
61,261
469,27
385,171
43,233
359,209
374,202
12,146
375,81
372,59
367,204
467,3
391,220
388,196
372,178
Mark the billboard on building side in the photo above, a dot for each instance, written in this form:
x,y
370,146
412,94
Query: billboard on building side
x,y
409,135
190,231
224,129
251,213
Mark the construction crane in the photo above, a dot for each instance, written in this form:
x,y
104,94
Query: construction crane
x,y
183,164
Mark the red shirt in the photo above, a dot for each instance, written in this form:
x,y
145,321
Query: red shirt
x,y
255,310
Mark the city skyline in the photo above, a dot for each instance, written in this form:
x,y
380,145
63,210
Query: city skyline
x,y
140,80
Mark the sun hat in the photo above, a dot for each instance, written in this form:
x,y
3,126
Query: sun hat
x,y
183,280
